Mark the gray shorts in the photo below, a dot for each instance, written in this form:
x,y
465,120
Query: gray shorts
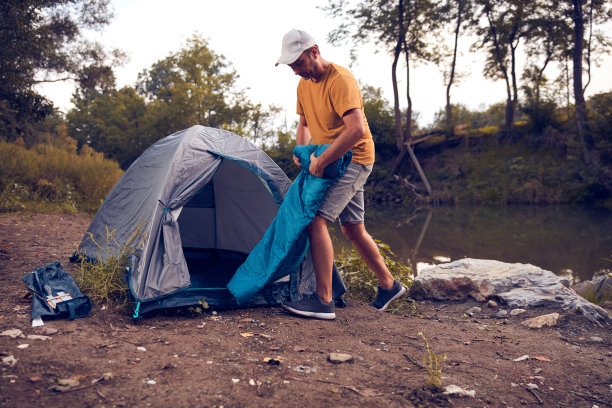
x,y
344,198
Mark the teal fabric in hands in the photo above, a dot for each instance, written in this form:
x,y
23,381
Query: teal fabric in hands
x,y
286,241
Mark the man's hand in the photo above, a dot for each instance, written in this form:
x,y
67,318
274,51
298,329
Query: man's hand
x,y
315,169
297,161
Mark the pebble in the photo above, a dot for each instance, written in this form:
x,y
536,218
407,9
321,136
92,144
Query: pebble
x,y
140,348
473,310
13,333
338,358
515,312
48,331
532,386
596,339
492,303
501,313
458,391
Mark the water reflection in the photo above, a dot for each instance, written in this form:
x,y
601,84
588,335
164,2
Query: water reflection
x,y
569,241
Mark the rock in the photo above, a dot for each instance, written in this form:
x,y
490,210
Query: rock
x,y
338,358
517,285
47,331
516,312
522,358
540,321
532,386
140,348
9,360
13,333
501,314
492,304
37,337
458,391
597,289
473,310
596,339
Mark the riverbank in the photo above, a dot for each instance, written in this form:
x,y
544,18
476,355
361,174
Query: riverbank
x,y
265,357
489,169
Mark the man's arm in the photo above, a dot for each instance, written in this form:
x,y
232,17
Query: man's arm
x,y
353,132
302,136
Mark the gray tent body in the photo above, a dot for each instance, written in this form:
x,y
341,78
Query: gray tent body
x,y
203,198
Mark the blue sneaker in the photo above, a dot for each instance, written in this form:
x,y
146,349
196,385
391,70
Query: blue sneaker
x,y
312,306
386,296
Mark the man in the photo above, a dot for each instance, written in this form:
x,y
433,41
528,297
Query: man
x,y
330,107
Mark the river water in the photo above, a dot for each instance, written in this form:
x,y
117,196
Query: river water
x,y
569,241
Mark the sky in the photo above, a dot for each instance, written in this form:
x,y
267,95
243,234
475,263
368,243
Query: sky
x,y
249,34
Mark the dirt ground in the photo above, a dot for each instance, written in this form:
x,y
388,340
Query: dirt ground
x,y
267,358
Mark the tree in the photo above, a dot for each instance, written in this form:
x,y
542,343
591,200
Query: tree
x,y
113,122
505,24
193,86
400,29
379,114
459,15
40,41
595,12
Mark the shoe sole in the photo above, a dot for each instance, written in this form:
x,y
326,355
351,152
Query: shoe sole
x,y
397,296
316,315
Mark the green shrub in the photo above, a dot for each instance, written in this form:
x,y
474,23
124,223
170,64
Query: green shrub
x,y
52,177
360,281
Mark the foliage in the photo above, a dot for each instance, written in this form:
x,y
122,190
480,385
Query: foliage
x,y
191,86
432,363
360,281
462,115
399,29
488,172
104,278
53,177
379,115
600,114
40,41
113,123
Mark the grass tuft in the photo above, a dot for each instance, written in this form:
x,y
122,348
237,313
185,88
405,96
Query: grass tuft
x,y
104,278
360,281
432,364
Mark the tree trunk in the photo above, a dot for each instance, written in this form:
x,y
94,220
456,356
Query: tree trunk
x,y
500,61
514,85
408,129
581,111
396,105
449,109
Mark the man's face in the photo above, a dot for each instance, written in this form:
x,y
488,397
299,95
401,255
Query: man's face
x,y
304,66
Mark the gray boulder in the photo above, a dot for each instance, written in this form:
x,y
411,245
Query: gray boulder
x,y
599,288
517,285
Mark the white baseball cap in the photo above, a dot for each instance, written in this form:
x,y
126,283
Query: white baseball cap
x,y
295,42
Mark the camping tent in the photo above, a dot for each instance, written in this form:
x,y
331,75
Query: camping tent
x,y
203,198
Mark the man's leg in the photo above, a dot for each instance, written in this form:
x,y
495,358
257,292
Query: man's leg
x,y
368,250
322,255
319,305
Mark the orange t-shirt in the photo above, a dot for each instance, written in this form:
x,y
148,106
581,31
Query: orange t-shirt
x,y
324,103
